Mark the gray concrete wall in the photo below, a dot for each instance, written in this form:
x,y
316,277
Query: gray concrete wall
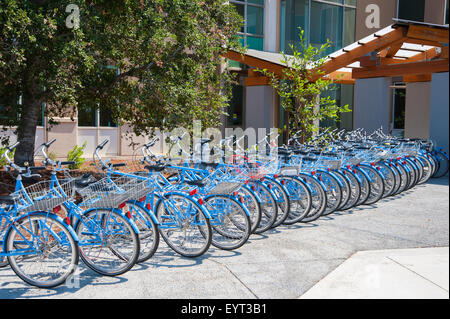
x,y
372,104
259,107
439,113
417,110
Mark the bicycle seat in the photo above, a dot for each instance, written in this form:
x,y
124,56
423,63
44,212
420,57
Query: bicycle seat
x,y
205,141
85,180
209,165
301,152
198,183
309,159
6,200
155,168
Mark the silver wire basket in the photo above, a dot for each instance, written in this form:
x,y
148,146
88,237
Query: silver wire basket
x,y
289,171
43,196
111,193
225,188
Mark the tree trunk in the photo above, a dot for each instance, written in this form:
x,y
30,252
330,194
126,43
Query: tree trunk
x,y
26,131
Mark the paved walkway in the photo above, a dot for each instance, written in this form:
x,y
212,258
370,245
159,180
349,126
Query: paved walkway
x,y
283,263
399,273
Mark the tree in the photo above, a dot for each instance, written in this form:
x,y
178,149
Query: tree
x,y
67,54
302,97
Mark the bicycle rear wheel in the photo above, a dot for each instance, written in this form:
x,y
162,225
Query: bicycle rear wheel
x,y
41,249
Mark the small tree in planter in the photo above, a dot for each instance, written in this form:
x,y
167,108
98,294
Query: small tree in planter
x,y
301,96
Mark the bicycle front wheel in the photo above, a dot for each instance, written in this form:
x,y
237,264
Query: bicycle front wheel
x,y
41,250
183,225
231,226
108,243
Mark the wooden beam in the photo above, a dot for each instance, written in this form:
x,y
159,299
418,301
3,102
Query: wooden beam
x,y
427,55
417,78
428,33
423,42
377,44
366,61
392,50
255,62
257,81
401,69
341,77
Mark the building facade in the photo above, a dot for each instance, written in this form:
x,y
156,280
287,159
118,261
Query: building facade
x,y
405,109
413,109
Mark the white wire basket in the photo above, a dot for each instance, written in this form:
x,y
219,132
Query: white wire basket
x,y
225,188
289,171
43,196
111,193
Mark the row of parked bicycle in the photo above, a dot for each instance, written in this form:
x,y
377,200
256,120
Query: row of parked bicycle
x,y
116,221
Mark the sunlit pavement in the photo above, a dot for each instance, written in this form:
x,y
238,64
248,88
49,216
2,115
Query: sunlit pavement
x,y
289,261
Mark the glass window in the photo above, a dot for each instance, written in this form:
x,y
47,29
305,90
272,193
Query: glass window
x,y
399,107
255,43
350,2
413,10
87,116
326,23
294,15
349,26
241,10
255,17
106,118
236,107
253,13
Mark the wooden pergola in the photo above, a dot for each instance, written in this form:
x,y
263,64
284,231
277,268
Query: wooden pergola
x,y
410,50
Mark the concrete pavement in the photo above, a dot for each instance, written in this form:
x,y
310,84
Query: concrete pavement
x,y
283,263
420,273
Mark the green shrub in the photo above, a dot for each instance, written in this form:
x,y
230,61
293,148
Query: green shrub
x,y
76,155
2,160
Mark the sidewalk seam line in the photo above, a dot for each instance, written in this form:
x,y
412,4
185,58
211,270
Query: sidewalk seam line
x,y
416,273
235,276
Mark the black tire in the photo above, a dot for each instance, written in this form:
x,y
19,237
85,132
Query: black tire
x,y
365,186
123,258
299,197
250,201
148,230
24,227
318,197
376,185
355,186
282,198
169,223
389,178
269,207
443,165
333,191
346,188
230,225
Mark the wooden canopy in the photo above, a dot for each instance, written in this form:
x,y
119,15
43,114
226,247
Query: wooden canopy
x,y
410,50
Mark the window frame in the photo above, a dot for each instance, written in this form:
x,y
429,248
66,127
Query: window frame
x,y
245,34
